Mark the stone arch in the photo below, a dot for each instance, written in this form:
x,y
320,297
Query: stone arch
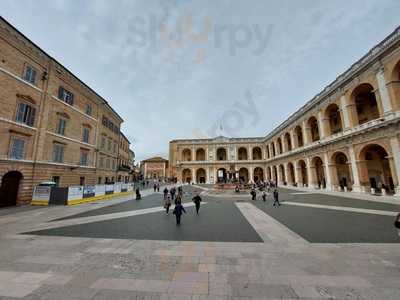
x,y
302,172
257,153
269,173
318,178
187,175
341,175
268,151
273,149
314,128
221,154
275,174
258,174
366,104
288,141
334,119
282,174
200,154
242,153
394,86
290,174
222,175
244,175
201,176
186,154
299,135
9,189
279,145
375,168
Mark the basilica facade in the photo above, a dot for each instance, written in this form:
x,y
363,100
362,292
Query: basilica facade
x,y
347,138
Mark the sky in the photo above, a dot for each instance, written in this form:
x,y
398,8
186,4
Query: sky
x,y
195,69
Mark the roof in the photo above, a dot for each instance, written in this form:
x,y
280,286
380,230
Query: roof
x,y
155,159
72,74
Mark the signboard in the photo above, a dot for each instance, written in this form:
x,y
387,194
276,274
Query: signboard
x,y
100,189
89,191
75,192
117,187
41,193
124,187
220,173
130,187
109,189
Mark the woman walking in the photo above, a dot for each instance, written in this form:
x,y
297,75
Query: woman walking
x,y
167,203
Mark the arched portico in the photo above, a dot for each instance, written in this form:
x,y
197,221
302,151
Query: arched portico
x,y
334,120
258,174
201,176
299,135
314,128
318,178
340,170
302,176
290,174
243,175
257,153
222,175
200,154
221,154
242,153
288,142
187,176
187,154
366,105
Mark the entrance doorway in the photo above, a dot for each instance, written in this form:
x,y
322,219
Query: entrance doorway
x,y
9,188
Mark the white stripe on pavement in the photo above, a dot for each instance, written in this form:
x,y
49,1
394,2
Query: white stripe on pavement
x,y
344,208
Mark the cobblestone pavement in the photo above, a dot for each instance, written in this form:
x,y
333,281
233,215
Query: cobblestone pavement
x,y
282,264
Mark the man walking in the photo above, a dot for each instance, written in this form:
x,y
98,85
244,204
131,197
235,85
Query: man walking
x,y
165,193
197,199
264,196
276,197
178,212
253,194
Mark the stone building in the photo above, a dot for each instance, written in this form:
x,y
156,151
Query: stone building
x,y
126,160
53,127
154,168
344,139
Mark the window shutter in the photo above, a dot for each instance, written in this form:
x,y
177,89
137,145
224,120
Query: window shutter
x,y
20,112
60,93
31,116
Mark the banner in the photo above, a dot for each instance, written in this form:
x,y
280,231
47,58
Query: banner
x,y
75,192
100,189
109,189
41,193
89,191
117,187
124,187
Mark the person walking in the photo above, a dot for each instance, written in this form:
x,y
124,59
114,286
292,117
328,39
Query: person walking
x,y
276,198
173,191
165,193
253,194
178,210
197,199
178,199
158,186
167,204
155,187
138,196
264,196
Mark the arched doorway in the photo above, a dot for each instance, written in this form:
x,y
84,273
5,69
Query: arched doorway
x,y
282,175
365,101
187,175
221,175
201,176
332,114
341,177
257,153
9,188
273,149
299,135
268,156
394,87
288,142
187,155
221,154
269,175
200,154
290,175
375,171
303,173
258,174
242,153
313,124
319,172
275,174
279,145
243,175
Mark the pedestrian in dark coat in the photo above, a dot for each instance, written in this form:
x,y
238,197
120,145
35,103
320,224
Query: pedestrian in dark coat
x,y
264,196
276,197
253,194
178,210
167,204
197,199
138,196
165,192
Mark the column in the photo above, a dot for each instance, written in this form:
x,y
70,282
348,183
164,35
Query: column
x,y
293,136
297,175
328,177
251,174
383,91
395,165
311,174
289,179
322,125
284,146
280,179
306,133
345,113
354,170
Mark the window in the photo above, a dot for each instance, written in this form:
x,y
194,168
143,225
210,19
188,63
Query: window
x,y
17,148
84,158
88,110
109,145
85,135
65,96
30,74
81,180
101,162
58,153
56,180
26,114
113,164
115,148
62,123
103,142
107,163
99,180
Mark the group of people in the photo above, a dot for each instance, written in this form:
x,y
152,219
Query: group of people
x,y
174,195
264,195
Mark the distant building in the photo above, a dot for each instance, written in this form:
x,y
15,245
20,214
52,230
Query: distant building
x,y
126,160
154,168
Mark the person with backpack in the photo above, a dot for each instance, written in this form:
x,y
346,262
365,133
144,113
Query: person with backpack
x,y
178,210
276,198
197,199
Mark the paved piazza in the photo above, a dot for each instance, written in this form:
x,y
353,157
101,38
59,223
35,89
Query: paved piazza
x,y
315,246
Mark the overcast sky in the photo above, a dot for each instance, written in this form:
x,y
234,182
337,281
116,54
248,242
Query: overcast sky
x,y
186,69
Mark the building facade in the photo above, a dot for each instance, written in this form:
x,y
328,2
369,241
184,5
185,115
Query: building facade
x,y
53,127
126,160
154,168
347,138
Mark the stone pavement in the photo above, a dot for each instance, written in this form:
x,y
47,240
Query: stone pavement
x,y
283,266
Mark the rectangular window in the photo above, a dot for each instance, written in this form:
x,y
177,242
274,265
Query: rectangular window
x,y
25,114
81,181
30,74
65,95
58,153
84,158
103,142
104,121
99,180
88,110
101,163
17,148
109,145
62,124
107,163
56,180
115,148
85,135
113,164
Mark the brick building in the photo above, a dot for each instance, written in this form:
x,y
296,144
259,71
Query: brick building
x,y
53,127
154,168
